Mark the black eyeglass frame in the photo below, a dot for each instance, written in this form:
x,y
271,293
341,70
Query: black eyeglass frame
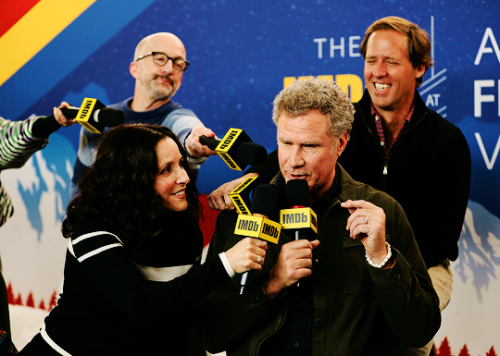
x,y
168,58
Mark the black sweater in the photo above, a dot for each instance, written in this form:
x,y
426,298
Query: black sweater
x,y
108,308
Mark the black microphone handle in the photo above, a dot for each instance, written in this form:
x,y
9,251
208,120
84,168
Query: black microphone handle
x,y
297,237
210,142
70,113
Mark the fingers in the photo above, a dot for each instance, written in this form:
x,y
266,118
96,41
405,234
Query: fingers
x,y
60,118
219,198
194,146
247,254
365,217
367,223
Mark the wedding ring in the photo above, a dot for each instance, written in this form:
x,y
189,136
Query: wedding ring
x,y
259,259
366,219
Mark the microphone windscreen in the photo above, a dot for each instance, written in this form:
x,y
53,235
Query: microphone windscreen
x,y
297,193
252,153
264,200
109,117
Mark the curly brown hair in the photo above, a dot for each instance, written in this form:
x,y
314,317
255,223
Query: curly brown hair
x,y
316,94
119,187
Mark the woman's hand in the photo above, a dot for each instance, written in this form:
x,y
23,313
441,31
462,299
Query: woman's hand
x,y
247,254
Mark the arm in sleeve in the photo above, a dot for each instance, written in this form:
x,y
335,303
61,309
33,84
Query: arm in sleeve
x,y
224,319
409,302
439,235
18,143
181,122
103,257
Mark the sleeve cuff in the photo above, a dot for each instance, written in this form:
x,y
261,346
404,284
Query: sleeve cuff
x,y
226,264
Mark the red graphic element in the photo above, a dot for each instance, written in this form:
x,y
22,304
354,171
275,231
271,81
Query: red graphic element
x,y
18,300
53,301
464,351
42,305
10,294
30,302
491,352
207,224
444,349
12,11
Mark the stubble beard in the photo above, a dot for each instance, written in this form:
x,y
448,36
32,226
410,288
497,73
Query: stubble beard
x,y
159,91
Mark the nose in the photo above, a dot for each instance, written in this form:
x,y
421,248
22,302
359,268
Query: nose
x,y
295,159
169,66
182,177
379,70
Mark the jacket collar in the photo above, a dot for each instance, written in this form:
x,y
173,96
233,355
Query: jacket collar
x,y
346,185
418,113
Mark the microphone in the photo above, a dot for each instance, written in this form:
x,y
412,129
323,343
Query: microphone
x,y
236,149
240,196
94,116
299,218
259,225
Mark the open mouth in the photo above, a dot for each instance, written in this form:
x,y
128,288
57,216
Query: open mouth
x,y
380,86
180,194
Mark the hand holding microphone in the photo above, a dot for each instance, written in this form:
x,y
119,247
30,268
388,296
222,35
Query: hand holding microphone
x,y
92,115
236,149
259,225
300,218
247,254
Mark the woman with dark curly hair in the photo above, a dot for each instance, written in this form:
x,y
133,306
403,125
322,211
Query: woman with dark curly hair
x,y
133,267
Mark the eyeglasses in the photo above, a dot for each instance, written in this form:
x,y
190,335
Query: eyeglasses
x,y
160,58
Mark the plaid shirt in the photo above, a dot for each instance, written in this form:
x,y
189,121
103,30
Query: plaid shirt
x,y
380,130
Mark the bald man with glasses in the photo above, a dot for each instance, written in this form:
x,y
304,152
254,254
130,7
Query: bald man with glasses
x,y
158,68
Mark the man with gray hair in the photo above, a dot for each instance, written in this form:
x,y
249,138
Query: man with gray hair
x,y
364,289
158,68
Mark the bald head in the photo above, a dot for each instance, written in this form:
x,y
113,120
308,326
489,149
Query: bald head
x,y
155,39
156,82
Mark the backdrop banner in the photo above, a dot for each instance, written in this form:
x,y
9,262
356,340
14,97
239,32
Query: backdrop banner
x,y
242,54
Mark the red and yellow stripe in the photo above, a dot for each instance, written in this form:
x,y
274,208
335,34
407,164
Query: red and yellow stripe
x,y
30,25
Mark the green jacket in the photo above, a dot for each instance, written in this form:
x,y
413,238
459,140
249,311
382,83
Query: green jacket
x,y
358,309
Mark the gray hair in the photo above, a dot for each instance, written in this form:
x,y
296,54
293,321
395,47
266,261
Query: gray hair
x,y
303,96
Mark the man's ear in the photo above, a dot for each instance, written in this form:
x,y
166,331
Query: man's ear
x,y
134,69
342,143
419,71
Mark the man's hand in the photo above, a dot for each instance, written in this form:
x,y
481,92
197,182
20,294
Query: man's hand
x,y
194,146
219,198
367,223
60,118
294,262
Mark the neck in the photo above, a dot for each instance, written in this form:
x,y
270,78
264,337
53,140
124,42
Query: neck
x,y
393,118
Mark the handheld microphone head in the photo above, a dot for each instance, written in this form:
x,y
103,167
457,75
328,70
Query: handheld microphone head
x,y
297,193
252,153
264,200
109,117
